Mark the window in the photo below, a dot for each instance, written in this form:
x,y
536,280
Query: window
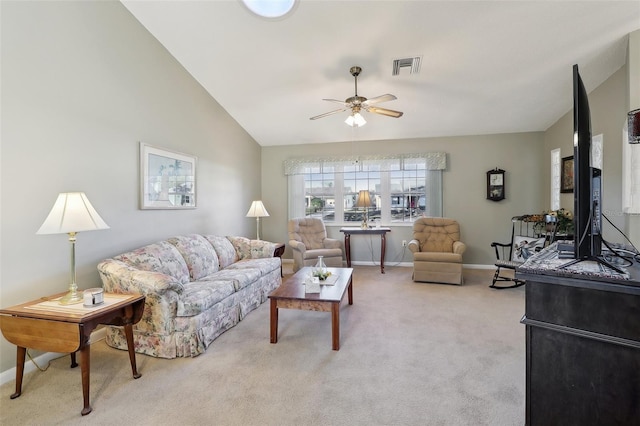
x,y
402,188
555,179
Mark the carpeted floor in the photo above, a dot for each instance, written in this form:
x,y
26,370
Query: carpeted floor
x,y
411,354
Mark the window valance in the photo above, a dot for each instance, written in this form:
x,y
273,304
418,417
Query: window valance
x,y
427,161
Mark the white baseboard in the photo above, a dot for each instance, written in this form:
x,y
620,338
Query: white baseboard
x,y
370,263
404,264
410,264
44,359
475,266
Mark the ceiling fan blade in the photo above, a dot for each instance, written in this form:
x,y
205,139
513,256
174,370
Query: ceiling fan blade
x,y
384,111
328,113
337,101
381,98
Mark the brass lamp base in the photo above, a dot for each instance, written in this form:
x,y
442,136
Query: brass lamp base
x,y
365,221
71,298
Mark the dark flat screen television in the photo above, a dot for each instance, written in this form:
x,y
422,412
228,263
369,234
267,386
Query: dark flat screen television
x,y
587,184
587,179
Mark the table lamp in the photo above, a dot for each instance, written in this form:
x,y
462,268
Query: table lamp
x,y
364,200
257,210
72,213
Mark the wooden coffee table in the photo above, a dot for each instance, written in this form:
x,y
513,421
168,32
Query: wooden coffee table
x,y
291,295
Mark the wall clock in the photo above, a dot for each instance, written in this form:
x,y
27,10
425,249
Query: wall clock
x,y
495,184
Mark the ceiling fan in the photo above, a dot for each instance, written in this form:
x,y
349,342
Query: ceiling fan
x,y
358,103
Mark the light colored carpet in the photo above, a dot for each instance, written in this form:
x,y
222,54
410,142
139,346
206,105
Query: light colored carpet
x,y
411,354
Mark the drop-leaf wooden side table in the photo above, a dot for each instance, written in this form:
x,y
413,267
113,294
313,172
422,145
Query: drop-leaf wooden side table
x,y
46,325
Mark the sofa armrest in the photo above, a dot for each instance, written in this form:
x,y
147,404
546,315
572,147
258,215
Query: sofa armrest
x,y
118,277
414,246
459,247
161,291
262,249
252,249
332,243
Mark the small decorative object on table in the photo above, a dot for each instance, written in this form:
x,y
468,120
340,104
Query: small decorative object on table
x,y
93,297
320,270
312,285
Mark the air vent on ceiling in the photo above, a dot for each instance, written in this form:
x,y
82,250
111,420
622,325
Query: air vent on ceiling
x,y
406,65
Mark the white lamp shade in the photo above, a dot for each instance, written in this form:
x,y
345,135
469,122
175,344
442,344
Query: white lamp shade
x,y
356,120
72,212
257,210
364,199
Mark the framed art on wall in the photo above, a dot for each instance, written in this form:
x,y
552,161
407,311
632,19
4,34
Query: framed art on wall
x,y
566,178
167,179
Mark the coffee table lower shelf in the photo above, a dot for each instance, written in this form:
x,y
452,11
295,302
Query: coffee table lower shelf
x,y
291,295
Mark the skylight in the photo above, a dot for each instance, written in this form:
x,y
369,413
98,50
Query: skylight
x,y
270,8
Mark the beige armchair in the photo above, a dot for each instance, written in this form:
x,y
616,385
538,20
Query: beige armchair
x,y
308,240
437,251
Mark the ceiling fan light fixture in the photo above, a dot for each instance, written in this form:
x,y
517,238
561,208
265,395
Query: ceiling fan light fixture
x,y
356,120
270,8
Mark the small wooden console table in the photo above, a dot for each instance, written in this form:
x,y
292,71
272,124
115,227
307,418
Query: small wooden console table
x,y
366,231
46,325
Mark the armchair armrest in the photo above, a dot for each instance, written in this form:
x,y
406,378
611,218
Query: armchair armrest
x,y
459,247
332,243
414,246
297,245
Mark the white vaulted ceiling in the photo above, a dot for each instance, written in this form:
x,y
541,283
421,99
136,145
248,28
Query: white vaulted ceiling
x,y
486,66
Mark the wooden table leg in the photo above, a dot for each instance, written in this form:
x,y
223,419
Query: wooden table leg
x,y
19,371
335,325
350,291
74,364
347,248
85,367
128,332
383,246
274,321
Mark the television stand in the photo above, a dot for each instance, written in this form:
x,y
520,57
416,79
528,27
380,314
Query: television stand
x,y
582,333
596,259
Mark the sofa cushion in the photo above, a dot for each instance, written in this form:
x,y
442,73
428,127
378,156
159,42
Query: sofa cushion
x,y
224,249
158,257
263,265
239,277
198,296
198,253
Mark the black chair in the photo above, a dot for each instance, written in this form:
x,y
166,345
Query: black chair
x,y
529,234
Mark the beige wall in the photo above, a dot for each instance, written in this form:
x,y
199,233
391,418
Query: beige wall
x,y
464,181
633,81
82,83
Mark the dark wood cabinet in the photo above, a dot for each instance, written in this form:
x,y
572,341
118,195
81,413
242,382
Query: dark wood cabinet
x,y
582,350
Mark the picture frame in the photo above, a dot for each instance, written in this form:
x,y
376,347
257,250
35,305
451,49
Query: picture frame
x,y
566,176
167,179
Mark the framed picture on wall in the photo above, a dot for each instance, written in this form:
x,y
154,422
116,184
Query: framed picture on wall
x,y
167,179
566,177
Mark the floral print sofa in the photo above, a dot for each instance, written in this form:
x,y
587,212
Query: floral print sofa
x,y
196,288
